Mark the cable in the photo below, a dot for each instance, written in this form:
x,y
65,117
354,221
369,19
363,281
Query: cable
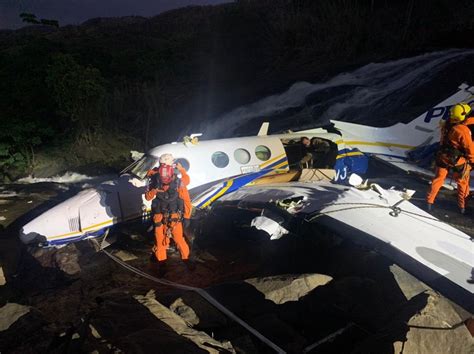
x,y
203,293
395,211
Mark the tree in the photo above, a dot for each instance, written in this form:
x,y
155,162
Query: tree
x,y
79,93
31,18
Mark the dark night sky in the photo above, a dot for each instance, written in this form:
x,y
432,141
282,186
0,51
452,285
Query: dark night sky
x,y
77,11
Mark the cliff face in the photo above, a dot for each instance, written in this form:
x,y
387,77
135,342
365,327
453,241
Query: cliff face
x,y
159,75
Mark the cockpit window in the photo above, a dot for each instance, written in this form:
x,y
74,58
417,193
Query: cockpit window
x,y
143,165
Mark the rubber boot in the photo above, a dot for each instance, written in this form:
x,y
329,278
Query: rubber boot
x,y
153,258
462,211
190,265
429,207
161,268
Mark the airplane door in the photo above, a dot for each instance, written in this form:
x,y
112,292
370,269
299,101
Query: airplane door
x,y
131,190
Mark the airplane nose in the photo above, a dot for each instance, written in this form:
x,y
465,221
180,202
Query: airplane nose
x,y
28,235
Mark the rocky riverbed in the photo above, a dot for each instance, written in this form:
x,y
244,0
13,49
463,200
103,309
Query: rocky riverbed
x,y
312,292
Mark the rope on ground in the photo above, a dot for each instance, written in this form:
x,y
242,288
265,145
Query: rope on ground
x,y
394,207
328,338
203,293
395,211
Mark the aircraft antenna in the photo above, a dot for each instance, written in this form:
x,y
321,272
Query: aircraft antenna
x,y
263,129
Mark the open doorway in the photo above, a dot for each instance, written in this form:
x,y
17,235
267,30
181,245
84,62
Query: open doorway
x,y
320,154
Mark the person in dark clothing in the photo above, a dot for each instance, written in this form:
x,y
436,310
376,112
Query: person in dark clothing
x,y
315,153
306,152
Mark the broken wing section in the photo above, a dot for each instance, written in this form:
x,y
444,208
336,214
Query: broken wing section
x,y
383,220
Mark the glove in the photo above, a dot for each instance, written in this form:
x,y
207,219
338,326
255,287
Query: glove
x,y
186,223
149,195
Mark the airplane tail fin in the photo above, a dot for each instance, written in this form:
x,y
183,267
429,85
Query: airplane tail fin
x,y
400,138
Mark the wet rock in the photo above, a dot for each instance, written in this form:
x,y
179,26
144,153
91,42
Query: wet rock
x,y
10,313
94,332
125,256
124,323
44,256
436,329
409,285
67,259
207,316
201,339
284,288
185,312
3,281
23,330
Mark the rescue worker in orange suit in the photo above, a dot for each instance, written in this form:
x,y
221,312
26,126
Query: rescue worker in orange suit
x,y
456,153
171,204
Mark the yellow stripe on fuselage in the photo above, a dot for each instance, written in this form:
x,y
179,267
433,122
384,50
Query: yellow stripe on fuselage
x,y
82,231
271,161
347,154
221,192
279,165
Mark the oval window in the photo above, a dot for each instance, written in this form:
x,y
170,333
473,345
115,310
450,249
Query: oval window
x,y
183,162
242,156
220,159
262,152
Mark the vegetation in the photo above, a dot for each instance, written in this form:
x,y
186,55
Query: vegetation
x,y
146,81
79,94
31,18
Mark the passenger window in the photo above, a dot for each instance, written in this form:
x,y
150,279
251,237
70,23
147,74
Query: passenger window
x,y
262,152
184,163
242,156
220,159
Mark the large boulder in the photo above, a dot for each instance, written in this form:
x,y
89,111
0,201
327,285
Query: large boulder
x,y
10,313
201,339
438,328
22,330
284,288
185,312
67,259
409,285
198,312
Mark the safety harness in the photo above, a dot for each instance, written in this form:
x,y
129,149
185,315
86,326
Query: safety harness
x,y
166,182
448,156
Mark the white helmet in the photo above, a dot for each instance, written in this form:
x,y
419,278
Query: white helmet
x,y
167,159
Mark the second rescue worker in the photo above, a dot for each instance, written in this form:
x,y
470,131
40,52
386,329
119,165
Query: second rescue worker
x,y
171,208
456,153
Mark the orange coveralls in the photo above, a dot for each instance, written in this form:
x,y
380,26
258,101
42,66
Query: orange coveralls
x,y
460,138
175,227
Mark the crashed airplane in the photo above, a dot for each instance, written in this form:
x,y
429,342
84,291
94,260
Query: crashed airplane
x,y
260,169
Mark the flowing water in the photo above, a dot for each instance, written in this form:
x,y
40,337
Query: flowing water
x,y
378,94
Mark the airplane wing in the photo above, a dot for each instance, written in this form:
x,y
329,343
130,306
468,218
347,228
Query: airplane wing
x,y
405,165
384,220
412,168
